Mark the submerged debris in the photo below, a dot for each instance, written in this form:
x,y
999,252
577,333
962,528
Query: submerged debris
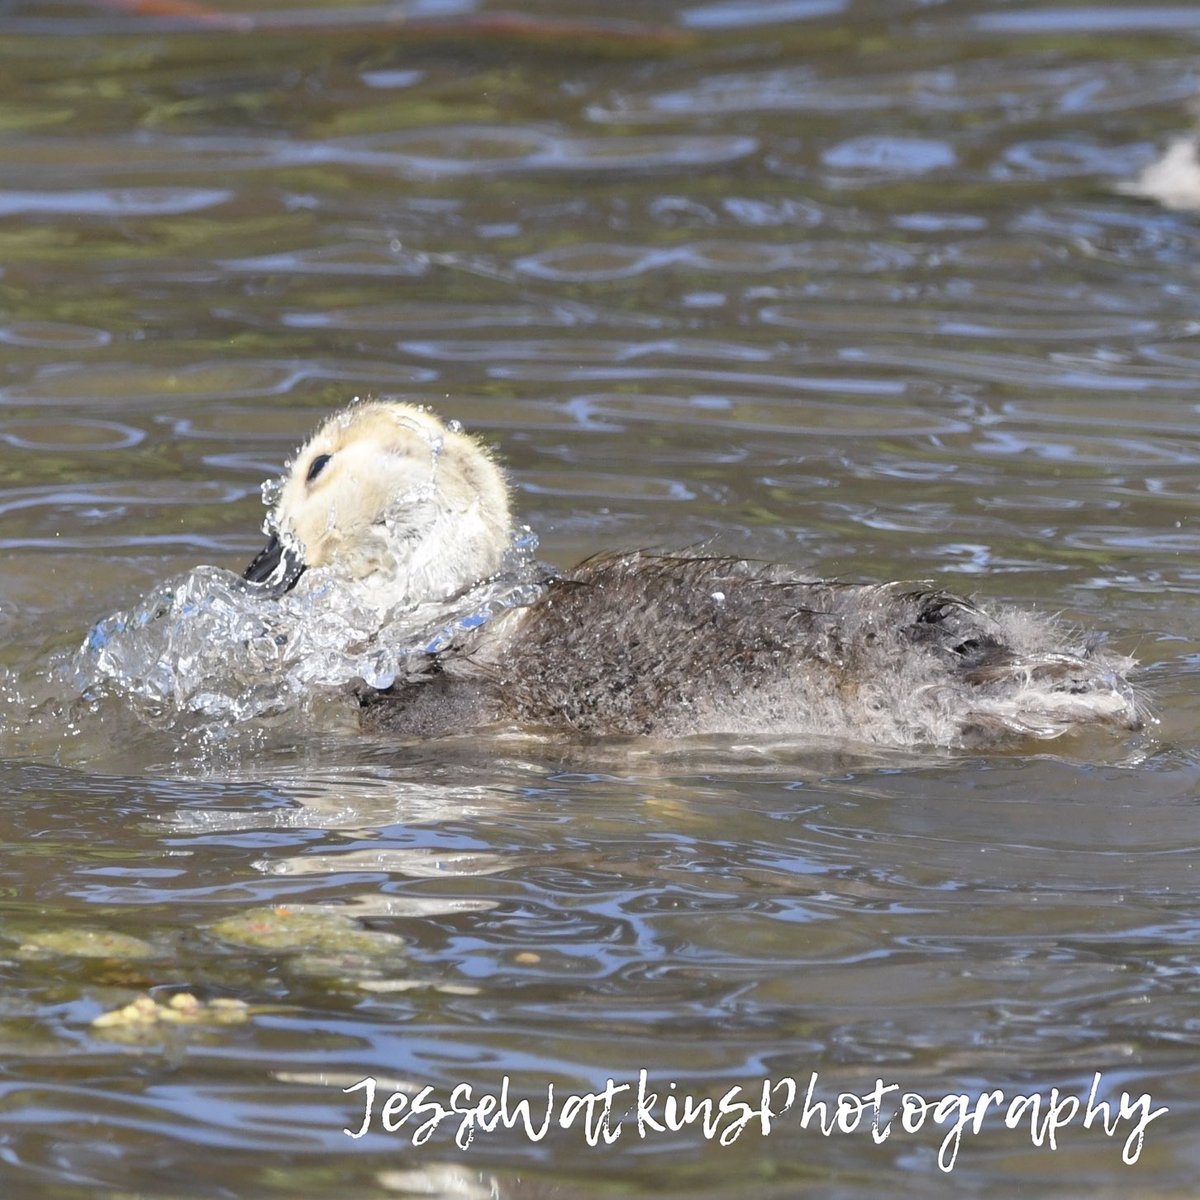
x,y
144,1013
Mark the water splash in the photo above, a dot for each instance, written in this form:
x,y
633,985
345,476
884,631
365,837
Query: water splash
x,y
208,644
271,490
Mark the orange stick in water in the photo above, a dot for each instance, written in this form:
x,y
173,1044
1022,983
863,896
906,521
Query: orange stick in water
x,y
591,36
186,9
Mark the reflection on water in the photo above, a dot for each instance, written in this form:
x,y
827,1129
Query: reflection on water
x,y
843,284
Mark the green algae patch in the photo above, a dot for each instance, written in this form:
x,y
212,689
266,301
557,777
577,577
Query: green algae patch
x,y
314,930
84,943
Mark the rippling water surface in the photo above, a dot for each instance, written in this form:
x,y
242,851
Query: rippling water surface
x,y
844,283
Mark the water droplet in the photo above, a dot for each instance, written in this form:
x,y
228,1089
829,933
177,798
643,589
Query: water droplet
x,y
525,540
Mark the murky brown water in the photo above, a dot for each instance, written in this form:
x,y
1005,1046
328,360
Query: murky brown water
x,y
838,282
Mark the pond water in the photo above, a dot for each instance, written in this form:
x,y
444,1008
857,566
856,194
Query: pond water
x,y
842,283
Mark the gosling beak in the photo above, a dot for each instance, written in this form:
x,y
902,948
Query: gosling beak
x,y
276,566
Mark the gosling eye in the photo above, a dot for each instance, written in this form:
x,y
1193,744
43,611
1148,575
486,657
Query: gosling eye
x,y
317,465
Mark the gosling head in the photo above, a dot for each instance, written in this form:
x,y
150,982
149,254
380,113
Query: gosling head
x,y
391,498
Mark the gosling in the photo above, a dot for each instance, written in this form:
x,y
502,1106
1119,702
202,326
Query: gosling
x,y
410,510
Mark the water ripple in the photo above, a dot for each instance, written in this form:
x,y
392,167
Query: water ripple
x,y
756,414
963,322
53,335
599,263
731,14
1044,91
125,202
483,150
145,386
80,434
890,155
